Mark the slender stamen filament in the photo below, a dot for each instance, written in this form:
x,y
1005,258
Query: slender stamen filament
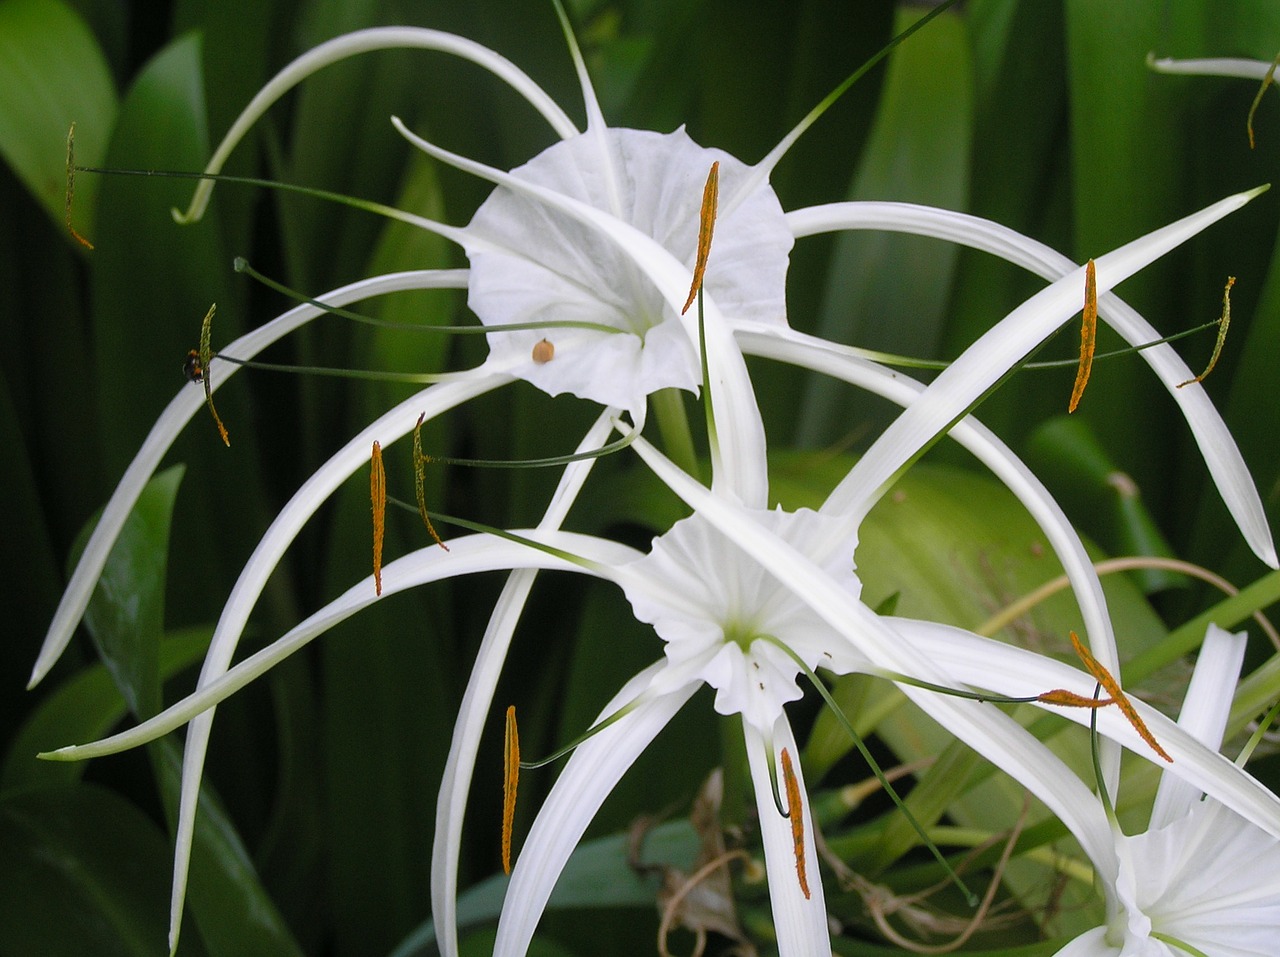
x,y
1266,82
241,265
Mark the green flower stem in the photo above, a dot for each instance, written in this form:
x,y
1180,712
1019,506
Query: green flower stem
x,y
673,424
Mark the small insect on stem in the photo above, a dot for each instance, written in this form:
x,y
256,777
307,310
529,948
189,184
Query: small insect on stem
x,y
196,369
510,778
796,813
1088,334
543,351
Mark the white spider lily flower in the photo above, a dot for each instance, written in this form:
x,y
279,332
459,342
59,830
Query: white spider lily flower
x,y
1201,876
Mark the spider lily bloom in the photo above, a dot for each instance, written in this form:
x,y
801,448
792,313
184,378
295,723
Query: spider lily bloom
x,y
599,229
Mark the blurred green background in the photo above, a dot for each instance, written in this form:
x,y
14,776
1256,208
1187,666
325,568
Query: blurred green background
x,y
1039,114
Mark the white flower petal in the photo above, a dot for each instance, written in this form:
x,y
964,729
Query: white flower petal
x,y
591,773
187,403
1205,709
799,922
702,593
1221,455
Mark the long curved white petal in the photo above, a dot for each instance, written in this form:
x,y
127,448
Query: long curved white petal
x,y
590,775
466,556
1221,455
189,400
455,782
365,41
799,922
739,461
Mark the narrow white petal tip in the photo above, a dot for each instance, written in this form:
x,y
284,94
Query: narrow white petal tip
x,y
1255,192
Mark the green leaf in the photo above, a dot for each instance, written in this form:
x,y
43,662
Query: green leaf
x,y
52,73
125,616
84,872
888,291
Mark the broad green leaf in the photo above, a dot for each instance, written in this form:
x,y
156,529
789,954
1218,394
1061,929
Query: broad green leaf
x,y
84,872
125,616
53,74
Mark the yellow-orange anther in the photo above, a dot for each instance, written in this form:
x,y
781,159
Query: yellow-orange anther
x,y
510,777
796,813
1088,334
706,226
1105,678
378,497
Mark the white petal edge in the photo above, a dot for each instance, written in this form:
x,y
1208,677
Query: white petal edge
x,y
366,41
1221,455
1206,706
455,782
189,401
1212,66
590,775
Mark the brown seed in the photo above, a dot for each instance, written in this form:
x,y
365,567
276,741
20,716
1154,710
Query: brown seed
x,y
543,351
